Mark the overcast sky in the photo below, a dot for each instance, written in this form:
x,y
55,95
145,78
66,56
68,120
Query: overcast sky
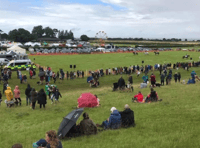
x,y
118,18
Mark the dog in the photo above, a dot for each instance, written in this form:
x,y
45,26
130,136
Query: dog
x,y
158,84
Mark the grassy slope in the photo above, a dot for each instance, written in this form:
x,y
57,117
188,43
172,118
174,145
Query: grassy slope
x,y
170,123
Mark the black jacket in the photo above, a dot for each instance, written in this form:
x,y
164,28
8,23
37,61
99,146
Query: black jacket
x,y
42,98
57,94
130,79
121,82
28,90
127,118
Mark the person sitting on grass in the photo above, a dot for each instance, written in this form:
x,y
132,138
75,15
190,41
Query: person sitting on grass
x,y
127,117
17,146
40,144
152,97
52,140
87,126
113,122
138,97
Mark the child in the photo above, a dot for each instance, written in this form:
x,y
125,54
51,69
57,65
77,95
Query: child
x,y
57,94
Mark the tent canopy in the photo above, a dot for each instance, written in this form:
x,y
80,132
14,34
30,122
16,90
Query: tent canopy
x,y
17,49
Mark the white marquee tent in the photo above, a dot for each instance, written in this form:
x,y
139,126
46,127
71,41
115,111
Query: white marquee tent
x,y
17,49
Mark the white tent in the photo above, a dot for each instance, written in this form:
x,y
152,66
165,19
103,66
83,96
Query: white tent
x,y
17,49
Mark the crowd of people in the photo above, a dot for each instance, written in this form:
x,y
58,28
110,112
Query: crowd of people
x,y
117,118
32,96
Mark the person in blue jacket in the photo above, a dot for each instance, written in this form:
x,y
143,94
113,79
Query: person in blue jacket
x,y
114,121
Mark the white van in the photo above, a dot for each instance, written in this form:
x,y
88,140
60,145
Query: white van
x,y
4,61
19,64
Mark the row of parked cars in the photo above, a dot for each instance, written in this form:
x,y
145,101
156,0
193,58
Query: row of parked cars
x,y
89,50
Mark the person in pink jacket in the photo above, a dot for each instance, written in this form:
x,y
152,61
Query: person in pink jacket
x,y
17,95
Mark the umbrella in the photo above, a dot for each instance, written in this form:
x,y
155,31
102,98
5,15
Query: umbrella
x,y
87,100
89,79
68,122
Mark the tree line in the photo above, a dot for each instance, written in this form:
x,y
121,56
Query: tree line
x,y
23,35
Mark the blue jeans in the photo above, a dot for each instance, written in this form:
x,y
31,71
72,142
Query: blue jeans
x,y
28,100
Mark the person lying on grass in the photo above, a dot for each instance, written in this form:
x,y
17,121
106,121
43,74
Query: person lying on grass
x,y
138,98
127,117
113,122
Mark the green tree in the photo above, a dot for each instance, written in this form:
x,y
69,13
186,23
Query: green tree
x,y
84,38
4,36
48,32
38,31
20,35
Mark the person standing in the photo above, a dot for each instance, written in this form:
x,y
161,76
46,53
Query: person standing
x,y
162,78
82,74
67,75
175,77
33,98
42,98
54,77
57,95
28,95
31,73
179,76
9,97
17,95
153,80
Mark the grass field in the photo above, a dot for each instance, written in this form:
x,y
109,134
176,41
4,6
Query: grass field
x,y
174,122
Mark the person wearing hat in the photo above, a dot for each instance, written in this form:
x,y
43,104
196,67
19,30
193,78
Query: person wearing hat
x,y
87,126
40,144
9,97
127,117
114,121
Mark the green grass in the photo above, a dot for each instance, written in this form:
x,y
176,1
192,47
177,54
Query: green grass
x,y
97,61
174,122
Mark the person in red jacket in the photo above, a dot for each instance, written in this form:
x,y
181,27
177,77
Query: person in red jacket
x,y
153,80
31,74
138,98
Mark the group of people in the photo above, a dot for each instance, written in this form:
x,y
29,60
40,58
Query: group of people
x,y
32,96
49,75
116,120
152,97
